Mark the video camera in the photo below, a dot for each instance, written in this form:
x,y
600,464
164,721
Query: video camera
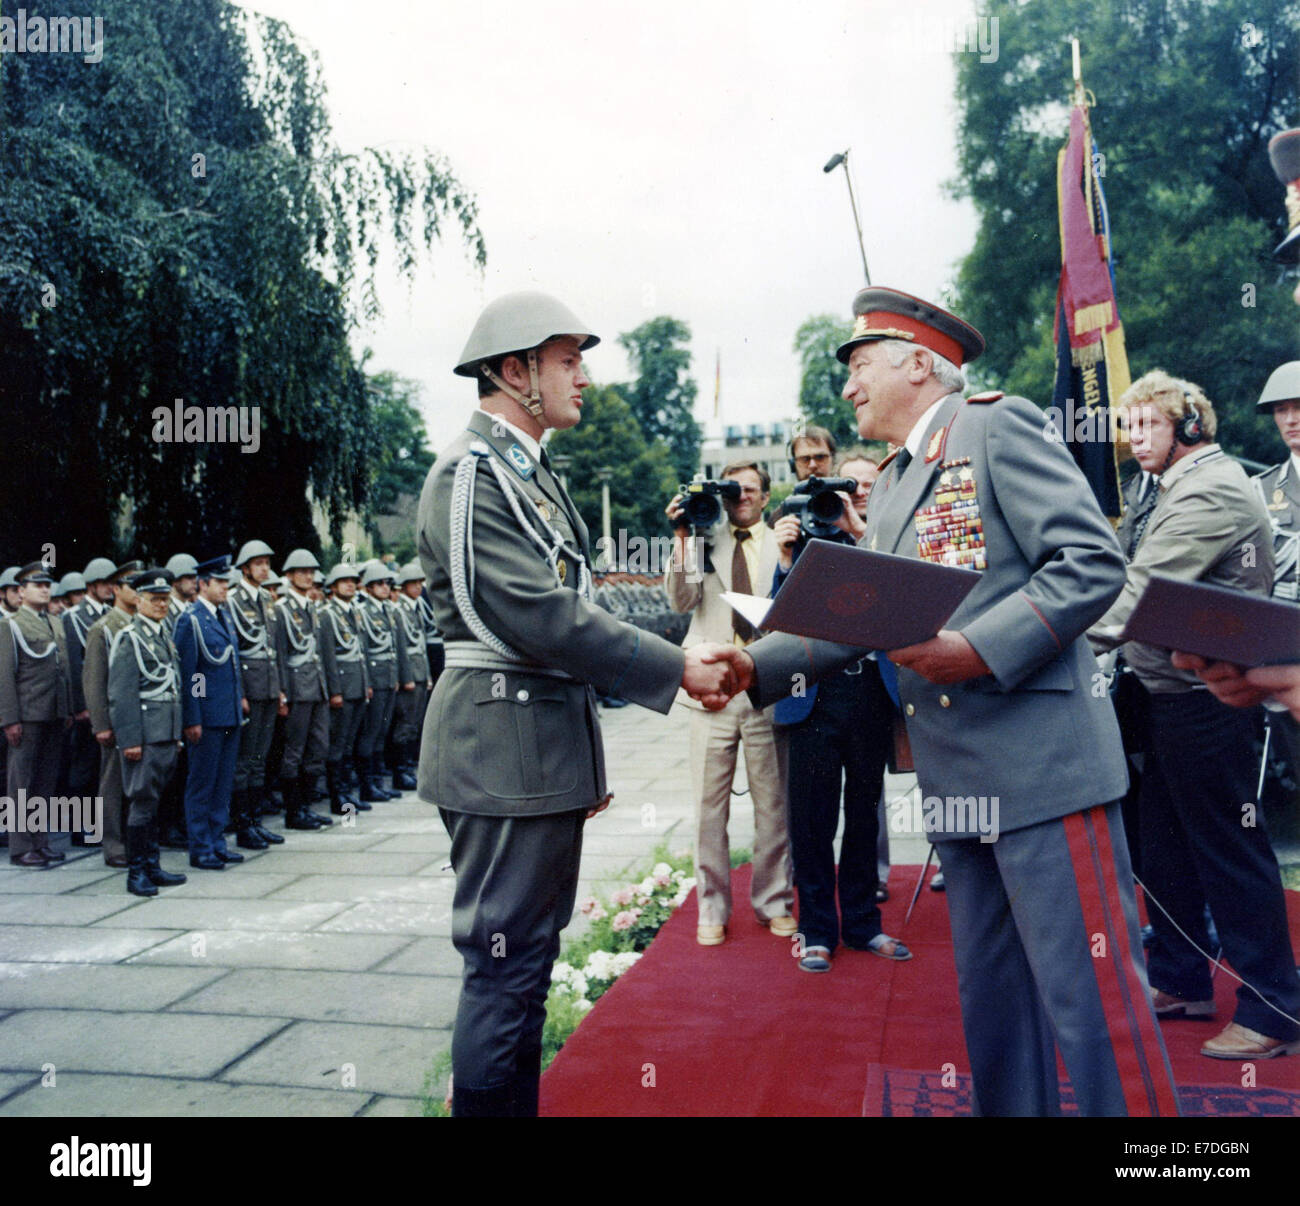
x,y
818,505
701,502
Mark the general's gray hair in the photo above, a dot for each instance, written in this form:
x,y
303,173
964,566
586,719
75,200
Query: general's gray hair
x,y
942,369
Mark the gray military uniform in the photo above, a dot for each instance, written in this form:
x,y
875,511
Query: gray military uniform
x,y
34,692
511,751
83,750
306,729
94,685
345,674
385,662
408,711
145,706
253,612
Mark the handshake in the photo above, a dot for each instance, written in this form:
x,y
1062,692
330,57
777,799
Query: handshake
x,y
713,674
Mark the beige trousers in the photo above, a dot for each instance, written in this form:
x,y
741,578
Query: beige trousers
x,y
715,739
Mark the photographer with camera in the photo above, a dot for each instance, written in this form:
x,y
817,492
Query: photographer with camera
x,y
710,557
839,733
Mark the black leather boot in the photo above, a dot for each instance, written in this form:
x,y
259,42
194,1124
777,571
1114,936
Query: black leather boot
x,y
304,795
295,814
348,782
377,769
248,836
371,793
337,806
153,864
402,776
138,882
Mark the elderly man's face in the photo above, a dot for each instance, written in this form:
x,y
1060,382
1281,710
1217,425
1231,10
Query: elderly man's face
x,y
1287,417
152,604
880,393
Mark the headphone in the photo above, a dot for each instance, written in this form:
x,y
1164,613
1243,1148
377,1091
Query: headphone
x,y
1189,429
803,435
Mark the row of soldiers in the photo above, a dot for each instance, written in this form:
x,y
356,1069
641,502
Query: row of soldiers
x,y
270,681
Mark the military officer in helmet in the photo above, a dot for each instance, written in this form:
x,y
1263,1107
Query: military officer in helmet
x,y
387,670
511,751
412,699
252,611
346,679
302,677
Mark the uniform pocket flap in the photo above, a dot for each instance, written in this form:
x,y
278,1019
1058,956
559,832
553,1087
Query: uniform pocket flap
x,y
500,687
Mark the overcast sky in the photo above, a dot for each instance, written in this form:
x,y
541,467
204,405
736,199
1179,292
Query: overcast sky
x,y
665,158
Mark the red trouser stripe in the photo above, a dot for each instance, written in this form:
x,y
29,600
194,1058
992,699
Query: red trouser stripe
x,y
1123,1000
1162,1093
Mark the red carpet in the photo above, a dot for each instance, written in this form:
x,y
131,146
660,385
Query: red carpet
x,y
739,1030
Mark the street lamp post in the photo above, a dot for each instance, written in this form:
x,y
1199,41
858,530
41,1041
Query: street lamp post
x,y
842,159
561,461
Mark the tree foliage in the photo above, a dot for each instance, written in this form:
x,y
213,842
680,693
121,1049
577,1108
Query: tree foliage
x,y
644,478
1188,94
822,377
176,222
662,397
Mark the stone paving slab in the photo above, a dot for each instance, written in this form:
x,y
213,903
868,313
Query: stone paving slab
x,y
392,1060
88,1094
429,843
201,885
61,910
260,948
157,1044
395,917
63,944
423,957
392,1107
428,1000
22,881
351,889
329,862
172,913
98,986
11,1082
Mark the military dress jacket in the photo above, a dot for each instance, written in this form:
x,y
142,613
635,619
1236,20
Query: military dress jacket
x,y
253,612
516,742
77,623
1279,488
411,640
94,673
341,649
375,622
144,686
297,645
993,490
34,684
211,679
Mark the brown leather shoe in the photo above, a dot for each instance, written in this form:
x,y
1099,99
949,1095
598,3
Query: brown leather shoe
x,y
1167,1005
711,935
33,858
1240,1042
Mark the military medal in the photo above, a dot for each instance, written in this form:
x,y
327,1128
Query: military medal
x,y
562,568
543,508
951,531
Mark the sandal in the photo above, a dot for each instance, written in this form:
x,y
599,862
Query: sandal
x,y
815,959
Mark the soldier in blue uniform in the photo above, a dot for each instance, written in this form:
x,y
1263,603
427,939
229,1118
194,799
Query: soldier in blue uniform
x,y
212,709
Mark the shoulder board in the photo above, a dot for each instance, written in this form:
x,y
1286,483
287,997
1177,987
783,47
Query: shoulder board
x,y
991,395
479,448
1272,469
889,460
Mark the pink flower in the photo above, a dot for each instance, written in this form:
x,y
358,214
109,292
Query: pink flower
x,y
662,881
589,904
622,897
598,914
626,919
643,901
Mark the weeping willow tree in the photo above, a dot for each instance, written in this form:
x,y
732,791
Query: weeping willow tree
x,y
177,222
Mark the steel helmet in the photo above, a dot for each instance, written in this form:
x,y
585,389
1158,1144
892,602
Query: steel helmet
x,y
69,582
9,577
411,572
101,569
520,322
300,559
376,571
182,565
251,549
341,571
1283,385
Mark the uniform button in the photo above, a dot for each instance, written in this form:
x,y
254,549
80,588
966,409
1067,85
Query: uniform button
x,y
945,702
910,709
521,695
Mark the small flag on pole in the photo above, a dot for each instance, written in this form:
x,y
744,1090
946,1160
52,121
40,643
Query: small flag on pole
x,y
1091,362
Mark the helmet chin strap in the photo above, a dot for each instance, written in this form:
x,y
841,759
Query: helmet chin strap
x,y
533,402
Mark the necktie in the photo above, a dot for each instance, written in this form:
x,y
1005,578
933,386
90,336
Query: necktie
x,y
740,583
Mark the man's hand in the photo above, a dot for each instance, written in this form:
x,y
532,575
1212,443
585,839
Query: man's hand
x,y
14,734
193,733
134,754
370,694
786,531
1282,681
707,677
283,709
850,521
243,703
604,804
105,738
408,686
84,714
336,701
946,658
676,516
1229,684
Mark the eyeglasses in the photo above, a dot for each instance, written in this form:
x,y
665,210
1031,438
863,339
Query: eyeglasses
x,y
813,458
